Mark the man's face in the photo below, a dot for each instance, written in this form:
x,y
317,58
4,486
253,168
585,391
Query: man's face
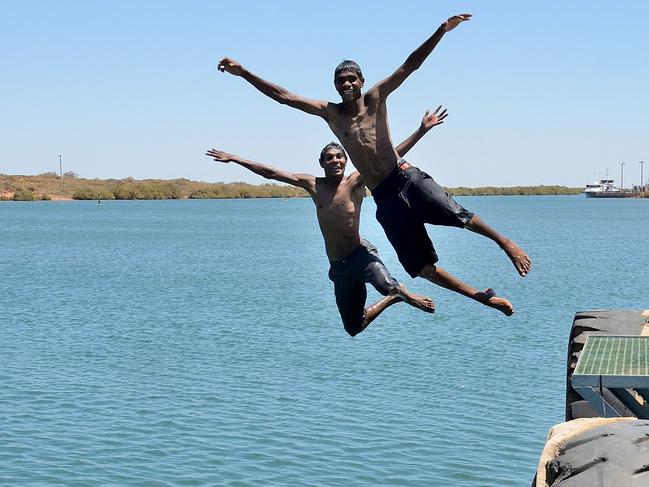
x,y
333,162
348,85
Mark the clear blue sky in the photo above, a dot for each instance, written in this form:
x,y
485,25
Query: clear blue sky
x,y
538,93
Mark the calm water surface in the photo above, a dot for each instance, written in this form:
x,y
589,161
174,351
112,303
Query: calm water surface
x,y
161,343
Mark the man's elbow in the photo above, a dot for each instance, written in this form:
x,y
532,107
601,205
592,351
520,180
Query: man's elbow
x,y
264,173
412,66
289,102
283,98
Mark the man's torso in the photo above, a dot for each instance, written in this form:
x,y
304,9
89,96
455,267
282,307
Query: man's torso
x,y
366,137
338,209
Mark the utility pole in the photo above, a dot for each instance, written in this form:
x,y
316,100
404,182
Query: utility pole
x,y
622,176
642,163
60,171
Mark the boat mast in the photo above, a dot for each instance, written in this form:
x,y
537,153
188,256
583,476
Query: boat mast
x,y
622,175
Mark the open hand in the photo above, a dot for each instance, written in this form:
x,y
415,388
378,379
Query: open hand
x,y
229,65
454,21
220,156
431,120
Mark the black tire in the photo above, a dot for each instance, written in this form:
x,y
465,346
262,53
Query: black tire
x,y
611,455
588,323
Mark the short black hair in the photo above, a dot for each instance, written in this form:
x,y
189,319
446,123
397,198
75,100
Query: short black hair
x,y
332,145
348,65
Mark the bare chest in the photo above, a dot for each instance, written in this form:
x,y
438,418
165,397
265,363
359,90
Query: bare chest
x,y
336,204
357,130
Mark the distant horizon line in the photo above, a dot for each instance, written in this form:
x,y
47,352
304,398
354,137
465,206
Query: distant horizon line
x,y
131,178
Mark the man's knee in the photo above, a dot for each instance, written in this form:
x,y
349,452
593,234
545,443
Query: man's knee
x,y
471,220
388,287
427,271
382,280
354,325
353,329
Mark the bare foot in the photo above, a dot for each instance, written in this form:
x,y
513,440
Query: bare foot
x,y
422,302
519,258
488,297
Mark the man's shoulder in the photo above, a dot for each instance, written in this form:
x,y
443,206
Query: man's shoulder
x,y
320,184
372,93
354,177
335,107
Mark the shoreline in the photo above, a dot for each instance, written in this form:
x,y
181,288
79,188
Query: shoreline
x,y
48,186
64,198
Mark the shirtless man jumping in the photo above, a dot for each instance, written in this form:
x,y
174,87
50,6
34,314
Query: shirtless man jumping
x,y
354,261
406,197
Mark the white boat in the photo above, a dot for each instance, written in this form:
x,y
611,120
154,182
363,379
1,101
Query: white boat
x,y
606,188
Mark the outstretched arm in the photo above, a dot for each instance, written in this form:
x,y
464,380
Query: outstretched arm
x,y
306,181
429,121
418,56
276,92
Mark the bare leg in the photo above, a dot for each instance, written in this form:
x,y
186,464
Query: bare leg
x,y
421,302
518,256
488,297
401,294
371,312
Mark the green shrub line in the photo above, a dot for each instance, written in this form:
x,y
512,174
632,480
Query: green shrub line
x,y
24,195
47,185
514,191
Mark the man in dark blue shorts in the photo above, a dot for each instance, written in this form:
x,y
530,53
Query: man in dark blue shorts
x,y
354,262
350,275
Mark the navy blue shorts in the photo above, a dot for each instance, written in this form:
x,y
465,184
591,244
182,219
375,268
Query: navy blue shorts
x,y
350,275
407,199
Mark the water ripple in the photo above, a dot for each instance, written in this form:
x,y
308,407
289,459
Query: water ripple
x,y
190,343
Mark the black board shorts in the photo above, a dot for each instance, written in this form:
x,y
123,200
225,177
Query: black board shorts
x,y
407,199
350,275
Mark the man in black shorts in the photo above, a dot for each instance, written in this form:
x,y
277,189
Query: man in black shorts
x,y
407,199
354,261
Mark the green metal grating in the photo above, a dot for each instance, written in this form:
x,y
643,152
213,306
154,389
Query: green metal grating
x,y
614,356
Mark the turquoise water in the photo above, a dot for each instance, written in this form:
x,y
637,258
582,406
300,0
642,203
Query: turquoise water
x,y
197,343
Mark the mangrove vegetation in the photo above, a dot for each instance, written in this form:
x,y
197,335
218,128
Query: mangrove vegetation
x,y
50,186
